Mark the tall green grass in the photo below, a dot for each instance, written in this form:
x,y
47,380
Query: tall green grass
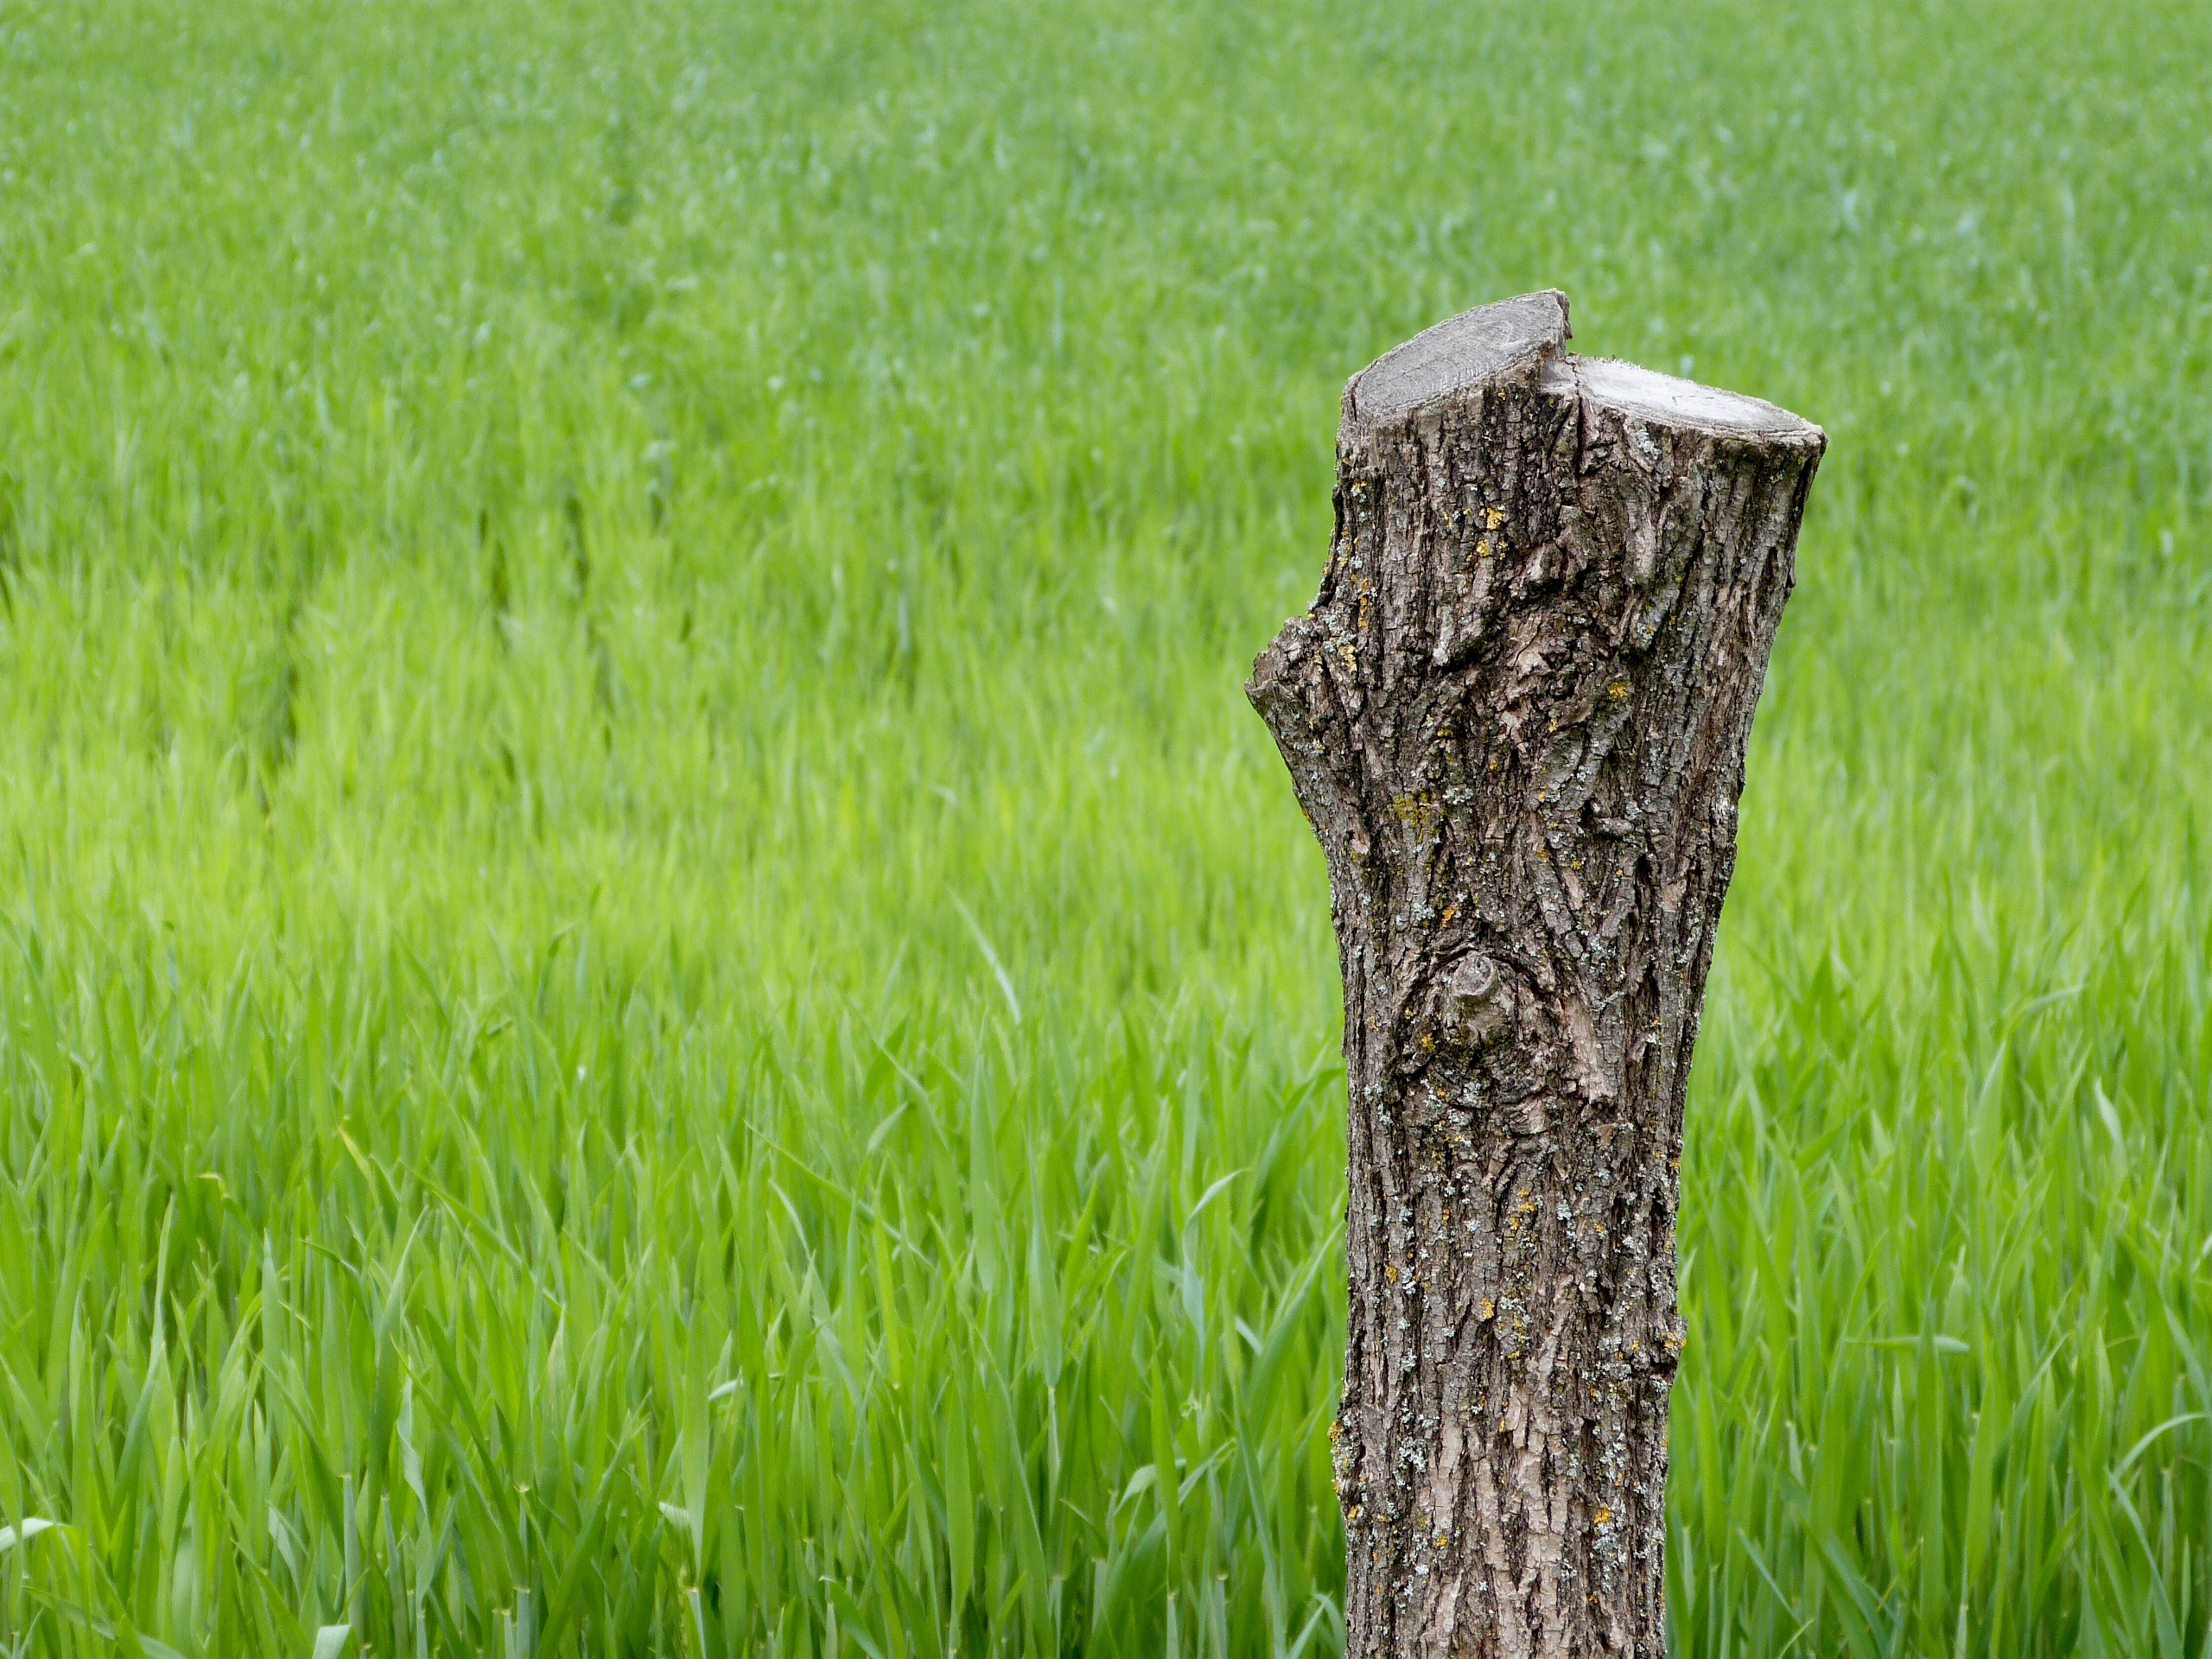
x,y
656,997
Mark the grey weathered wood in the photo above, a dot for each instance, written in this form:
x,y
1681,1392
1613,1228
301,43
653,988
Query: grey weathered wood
x,y
1516,716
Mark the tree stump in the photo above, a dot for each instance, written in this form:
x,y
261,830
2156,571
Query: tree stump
x,y
1516,715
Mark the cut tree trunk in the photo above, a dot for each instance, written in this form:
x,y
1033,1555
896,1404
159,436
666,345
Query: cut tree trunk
x,y
1516,716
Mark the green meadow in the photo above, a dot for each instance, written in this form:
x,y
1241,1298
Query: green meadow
x,y
657,997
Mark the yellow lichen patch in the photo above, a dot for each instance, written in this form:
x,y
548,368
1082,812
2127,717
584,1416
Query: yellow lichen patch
x,y
1417,812
1390,1272
1488,1308
1617,690
1603,1516
1492,518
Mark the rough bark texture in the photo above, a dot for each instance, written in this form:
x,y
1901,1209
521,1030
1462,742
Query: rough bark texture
x,y
1516,716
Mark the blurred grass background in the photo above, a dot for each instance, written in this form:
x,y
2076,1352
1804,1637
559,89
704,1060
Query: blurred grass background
x,y
656,997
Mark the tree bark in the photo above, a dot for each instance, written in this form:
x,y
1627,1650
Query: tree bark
x,y
1516,715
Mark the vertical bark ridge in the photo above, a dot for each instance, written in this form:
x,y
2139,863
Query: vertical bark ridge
x,y
1516,715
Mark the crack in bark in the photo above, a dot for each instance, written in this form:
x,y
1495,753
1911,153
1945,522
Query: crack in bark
x,y
1516,715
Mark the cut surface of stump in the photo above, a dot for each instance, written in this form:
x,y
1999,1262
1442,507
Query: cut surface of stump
x,y
1516,715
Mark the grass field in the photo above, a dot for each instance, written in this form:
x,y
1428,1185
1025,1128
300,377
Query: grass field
x,y
656,996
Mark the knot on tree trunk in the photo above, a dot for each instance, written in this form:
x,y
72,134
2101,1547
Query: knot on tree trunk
x,y
1516,715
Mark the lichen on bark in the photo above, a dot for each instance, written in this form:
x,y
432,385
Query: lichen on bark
x,y
1516,715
